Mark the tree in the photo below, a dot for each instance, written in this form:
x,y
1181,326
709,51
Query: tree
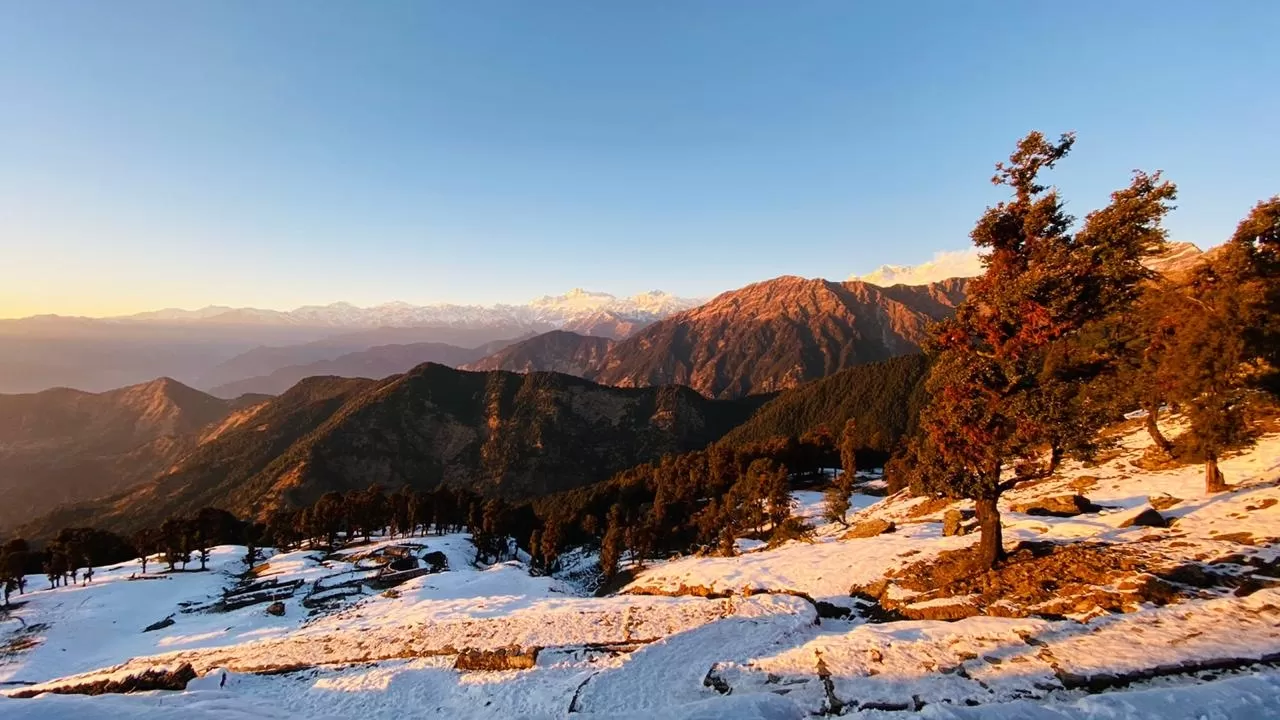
x,y
1144,376
175,540
13,566
836,498
849,444
771,478
1042,286
145,541
611,545
552,537
1222,350
55,566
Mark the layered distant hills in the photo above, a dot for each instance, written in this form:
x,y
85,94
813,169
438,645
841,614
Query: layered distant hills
x,y
556,351
497,433
65,445
375,363
216,346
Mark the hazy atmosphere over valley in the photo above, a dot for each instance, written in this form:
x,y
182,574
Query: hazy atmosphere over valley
x,y
696,360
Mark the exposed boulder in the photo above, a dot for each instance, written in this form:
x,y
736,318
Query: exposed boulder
x,y
276,608
1163,502
160,625
436,561
870,528
953,523
945,609
512,658
1084,483
1056,505
1147,517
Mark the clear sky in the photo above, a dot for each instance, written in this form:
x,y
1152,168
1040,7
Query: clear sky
x,y
275,154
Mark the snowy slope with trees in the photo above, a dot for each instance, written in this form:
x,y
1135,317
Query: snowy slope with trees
x,y
702,636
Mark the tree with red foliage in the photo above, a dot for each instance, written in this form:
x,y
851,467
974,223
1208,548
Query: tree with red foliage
x,y
1000,356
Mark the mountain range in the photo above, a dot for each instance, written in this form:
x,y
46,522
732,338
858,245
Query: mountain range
x,y
217,345
539,410
497,433
552,309
375,363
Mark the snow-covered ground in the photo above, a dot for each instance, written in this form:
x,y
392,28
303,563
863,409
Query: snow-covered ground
x,y
695,637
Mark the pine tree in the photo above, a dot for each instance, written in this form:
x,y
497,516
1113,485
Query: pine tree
x,y
1222,350
1041,286
611,545
836,498
144,541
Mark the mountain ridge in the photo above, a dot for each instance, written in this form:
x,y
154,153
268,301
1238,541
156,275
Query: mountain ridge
x,y
65,445
496,433
776,334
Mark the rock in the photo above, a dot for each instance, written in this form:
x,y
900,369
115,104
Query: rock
x,y
1084,483
870,528
831,611
513,658
276,608
871,592
958,609
436,561
1243,538
1147,518
153,679
159,625
1163,502
1056,506
953,523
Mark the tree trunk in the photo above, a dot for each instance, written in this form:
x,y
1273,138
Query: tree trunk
x,y
1213,480
1153,429
1055,459
991,544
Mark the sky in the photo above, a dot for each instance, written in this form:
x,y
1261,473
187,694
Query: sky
x,y
181,154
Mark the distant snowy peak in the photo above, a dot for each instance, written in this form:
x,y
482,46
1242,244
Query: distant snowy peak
x,y
575,305
579,302
1177,256
944,265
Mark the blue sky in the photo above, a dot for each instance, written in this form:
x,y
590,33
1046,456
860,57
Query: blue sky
x,y
277,154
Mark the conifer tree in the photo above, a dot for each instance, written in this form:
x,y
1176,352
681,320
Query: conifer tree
x,y
1222,350
1041,286
611,544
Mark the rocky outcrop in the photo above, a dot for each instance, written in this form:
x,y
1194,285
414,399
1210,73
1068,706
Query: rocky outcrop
x,y
869,528
151,679
513,658
1056,506
953,523
1147,517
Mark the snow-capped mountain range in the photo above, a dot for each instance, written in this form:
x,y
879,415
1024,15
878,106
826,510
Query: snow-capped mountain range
x,y
574,305
1177,256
